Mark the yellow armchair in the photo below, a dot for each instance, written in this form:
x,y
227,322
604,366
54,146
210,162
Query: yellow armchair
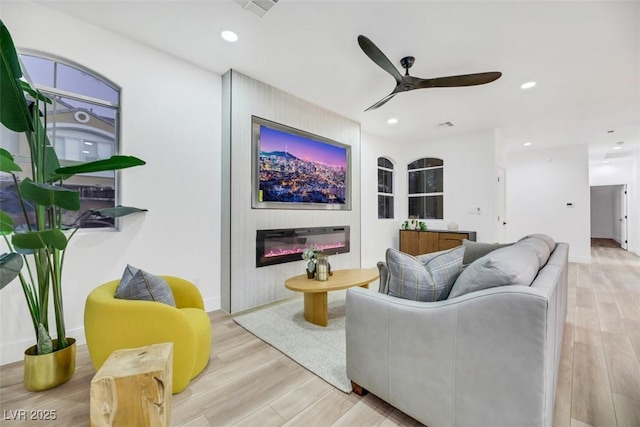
x,y
113,324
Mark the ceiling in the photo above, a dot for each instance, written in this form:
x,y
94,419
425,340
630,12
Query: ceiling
x,y
584,56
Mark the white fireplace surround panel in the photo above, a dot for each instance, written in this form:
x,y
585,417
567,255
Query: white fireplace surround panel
x,y
243,285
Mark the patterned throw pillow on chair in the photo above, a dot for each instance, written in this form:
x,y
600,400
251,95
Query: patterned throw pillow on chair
x,y
425,278
137,284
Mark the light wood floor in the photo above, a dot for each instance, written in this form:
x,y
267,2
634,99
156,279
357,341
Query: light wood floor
x,y
248,383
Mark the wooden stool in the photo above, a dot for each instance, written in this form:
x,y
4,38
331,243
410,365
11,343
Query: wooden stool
x,y
133,388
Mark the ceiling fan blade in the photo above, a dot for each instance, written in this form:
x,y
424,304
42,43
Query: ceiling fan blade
x,y
382,101
376,55
462,80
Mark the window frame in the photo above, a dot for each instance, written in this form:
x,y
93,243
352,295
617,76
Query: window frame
x,y
424,195
393,187
115,106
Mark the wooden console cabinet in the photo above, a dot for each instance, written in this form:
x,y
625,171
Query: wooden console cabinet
x,y
416,242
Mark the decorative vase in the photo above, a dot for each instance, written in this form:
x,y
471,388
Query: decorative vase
x,y
310,274
322,267
45,371
412,224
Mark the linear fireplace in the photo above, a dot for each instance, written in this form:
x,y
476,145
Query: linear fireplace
x,y
286,244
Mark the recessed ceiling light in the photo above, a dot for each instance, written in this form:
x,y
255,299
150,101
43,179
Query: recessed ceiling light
x,y
605,161
527,85
526,144
617,147
85,151
392,121
88,143
229,36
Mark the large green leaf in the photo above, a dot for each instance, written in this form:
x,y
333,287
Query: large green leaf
x,y
10,266
111,164
51,162
6,224
40,239
35,93
117,211
6,162
50,195
14,113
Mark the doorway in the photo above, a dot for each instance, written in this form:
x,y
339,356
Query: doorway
x,y
501,209
609,213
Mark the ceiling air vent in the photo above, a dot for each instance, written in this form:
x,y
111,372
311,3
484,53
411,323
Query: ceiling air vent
x,y
259,7
444,125
617,155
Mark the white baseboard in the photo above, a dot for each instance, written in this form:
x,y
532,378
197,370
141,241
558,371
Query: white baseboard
x,y
212,304
580,259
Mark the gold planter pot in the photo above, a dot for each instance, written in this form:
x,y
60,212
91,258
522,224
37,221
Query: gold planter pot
x,y
45,371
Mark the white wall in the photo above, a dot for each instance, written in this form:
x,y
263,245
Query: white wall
x,y
540,184
603,212
380,234
624,171
169,120
469,183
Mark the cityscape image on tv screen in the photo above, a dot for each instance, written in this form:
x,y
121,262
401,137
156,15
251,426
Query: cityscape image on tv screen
x,y
297,169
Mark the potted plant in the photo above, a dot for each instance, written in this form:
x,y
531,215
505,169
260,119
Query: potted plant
x,y
38,248
309,255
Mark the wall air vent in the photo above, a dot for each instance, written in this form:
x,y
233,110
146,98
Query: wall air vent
x,y
617,155
444,125
259,7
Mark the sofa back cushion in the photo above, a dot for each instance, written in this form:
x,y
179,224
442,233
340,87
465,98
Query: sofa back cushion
x,y
538,246
512,265
425,278
547,239
474,250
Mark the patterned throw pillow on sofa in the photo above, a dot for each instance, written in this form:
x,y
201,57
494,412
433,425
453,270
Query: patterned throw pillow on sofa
x,y
137,284
425,278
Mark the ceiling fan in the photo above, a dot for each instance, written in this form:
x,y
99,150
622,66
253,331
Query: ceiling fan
x,y
406,83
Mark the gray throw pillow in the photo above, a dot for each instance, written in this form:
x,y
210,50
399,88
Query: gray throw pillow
x,y
540,248
547,239
384,277
427,278
475,250
513,265
137,284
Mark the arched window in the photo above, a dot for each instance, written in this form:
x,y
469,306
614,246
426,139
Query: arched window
x,y
426,188
82,124
385,188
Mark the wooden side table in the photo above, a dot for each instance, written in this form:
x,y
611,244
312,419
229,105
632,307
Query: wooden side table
x,y
315,291
133,387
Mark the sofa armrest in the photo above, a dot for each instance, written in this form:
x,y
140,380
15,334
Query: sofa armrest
x,y
478,359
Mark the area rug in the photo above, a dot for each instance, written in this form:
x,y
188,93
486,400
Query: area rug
x,y
319,349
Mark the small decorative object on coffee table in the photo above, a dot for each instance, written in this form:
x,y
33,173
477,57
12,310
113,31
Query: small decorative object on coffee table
x,y
322,267
309,255
315,292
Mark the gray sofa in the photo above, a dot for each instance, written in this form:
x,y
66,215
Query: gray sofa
x,y
487,358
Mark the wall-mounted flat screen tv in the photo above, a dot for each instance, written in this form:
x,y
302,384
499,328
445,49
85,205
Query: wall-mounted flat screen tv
x,y
293,169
